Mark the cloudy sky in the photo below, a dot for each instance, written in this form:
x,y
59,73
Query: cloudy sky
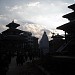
x,y
34,15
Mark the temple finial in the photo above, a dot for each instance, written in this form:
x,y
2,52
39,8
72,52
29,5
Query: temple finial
x,y
13,21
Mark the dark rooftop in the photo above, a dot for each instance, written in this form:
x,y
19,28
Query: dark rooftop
x,y
68,27
70,16
11,31
72,7
13,25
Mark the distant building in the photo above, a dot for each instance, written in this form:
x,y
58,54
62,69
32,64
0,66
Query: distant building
x,y
31,42
56,43
44,44
35,46
28,40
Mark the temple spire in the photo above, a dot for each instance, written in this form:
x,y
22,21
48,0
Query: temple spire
x,y
13,25
44,43
13,21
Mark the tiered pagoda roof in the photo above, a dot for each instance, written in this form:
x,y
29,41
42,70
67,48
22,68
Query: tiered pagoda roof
x,y
13,25
14,37
57,36
12,29
69,27
70,16
72,7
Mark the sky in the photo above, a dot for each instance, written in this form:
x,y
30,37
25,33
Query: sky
x,y
35,16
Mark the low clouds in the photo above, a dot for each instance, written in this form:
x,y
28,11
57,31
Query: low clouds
x,y
36,29
2,28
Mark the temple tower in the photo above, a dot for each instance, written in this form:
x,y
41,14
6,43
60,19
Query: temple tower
x,y
69,29
44,44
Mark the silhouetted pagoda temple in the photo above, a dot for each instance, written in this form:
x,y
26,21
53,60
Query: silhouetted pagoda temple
x,y
15,40
12,29
69,29
12,39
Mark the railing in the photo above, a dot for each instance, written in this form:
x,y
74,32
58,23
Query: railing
x,y
63,46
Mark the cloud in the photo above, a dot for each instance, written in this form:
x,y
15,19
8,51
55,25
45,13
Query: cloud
x,y
33,4
36,29
1,16
31,14
2,28
15,8
42,14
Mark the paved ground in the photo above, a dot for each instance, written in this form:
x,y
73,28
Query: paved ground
x,y
27,69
